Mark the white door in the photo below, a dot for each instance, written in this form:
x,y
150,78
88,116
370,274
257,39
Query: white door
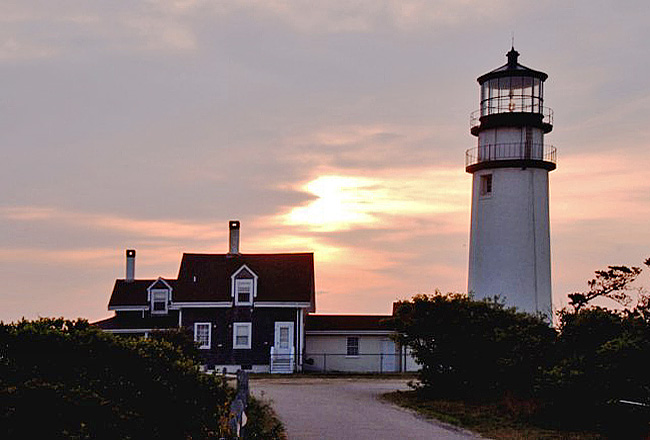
x,y
388,356
283,338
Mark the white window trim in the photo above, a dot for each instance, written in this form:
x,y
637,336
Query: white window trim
x,y
234,277
250,298
347,339
153,295
196,328
237,325
128,308
150,295
285,304
483,179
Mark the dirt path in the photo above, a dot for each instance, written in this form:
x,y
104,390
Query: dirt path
x,y
340,409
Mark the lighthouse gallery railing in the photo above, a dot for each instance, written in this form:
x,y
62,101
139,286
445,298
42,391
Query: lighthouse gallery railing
x,y
510,151
501,106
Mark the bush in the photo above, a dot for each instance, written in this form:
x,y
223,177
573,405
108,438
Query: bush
x,y
263,423
474,349
66,379
600,358
575,377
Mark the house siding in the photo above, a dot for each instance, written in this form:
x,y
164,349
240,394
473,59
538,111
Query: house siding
x,y
263,322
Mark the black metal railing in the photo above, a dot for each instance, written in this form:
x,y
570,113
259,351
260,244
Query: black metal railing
x,y
505,106
510,151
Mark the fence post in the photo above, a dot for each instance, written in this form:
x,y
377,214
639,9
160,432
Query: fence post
x,y
238,406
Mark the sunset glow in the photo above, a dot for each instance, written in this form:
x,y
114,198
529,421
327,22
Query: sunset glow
x,y
341,203
346,202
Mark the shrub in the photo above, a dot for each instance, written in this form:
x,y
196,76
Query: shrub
x,y
66,379
474,349
600,358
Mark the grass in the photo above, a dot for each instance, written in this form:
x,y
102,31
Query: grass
x,y
491,420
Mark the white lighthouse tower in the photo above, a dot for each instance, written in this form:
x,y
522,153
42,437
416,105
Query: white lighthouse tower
x,y
510,251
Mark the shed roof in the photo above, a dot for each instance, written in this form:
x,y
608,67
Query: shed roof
x,y
348,323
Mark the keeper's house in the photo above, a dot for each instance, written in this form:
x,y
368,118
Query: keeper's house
x,y
251,311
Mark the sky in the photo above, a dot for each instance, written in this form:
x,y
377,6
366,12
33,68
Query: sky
x,y
333,127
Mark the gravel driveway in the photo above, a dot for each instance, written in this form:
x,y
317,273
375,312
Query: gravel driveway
x,y
340,409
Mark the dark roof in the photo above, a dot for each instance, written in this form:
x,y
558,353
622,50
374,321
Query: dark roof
x,y
347,323
128,321
512,68
281,277
133,293
207,277
160,284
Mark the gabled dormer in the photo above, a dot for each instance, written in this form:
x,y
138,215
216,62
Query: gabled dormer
x,y
159,296
243,286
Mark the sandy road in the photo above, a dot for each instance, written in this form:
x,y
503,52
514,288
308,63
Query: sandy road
x,y
340,409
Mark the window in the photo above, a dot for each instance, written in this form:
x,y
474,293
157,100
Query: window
x,y
243,287
203,334
241,335
353,346
159,302
244,292
486,185
284,337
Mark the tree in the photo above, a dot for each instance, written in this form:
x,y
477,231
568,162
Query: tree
x,y
612,283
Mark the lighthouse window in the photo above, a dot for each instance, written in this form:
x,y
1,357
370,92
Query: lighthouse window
x,y
486,184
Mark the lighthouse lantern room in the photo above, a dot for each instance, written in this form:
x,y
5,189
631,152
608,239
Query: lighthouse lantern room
x,y
510,252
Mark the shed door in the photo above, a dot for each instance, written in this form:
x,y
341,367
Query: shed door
x,y
388,358
283,338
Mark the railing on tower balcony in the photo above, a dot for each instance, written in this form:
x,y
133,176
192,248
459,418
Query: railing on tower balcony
x,y
496,106
510,151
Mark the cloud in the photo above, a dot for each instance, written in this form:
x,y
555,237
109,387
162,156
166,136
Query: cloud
x,y
360,16
34,29
37,29
167,229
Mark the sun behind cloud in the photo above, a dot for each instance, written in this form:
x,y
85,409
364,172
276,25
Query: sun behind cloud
x,y
342,202
349,202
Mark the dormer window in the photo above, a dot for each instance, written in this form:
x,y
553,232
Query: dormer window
x,y
159,301
244,286
160,294
243,292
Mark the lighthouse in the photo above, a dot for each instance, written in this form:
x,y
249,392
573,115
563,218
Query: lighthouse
x,y
510,250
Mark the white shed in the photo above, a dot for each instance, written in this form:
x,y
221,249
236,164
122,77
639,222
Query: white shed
x,y
354,343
